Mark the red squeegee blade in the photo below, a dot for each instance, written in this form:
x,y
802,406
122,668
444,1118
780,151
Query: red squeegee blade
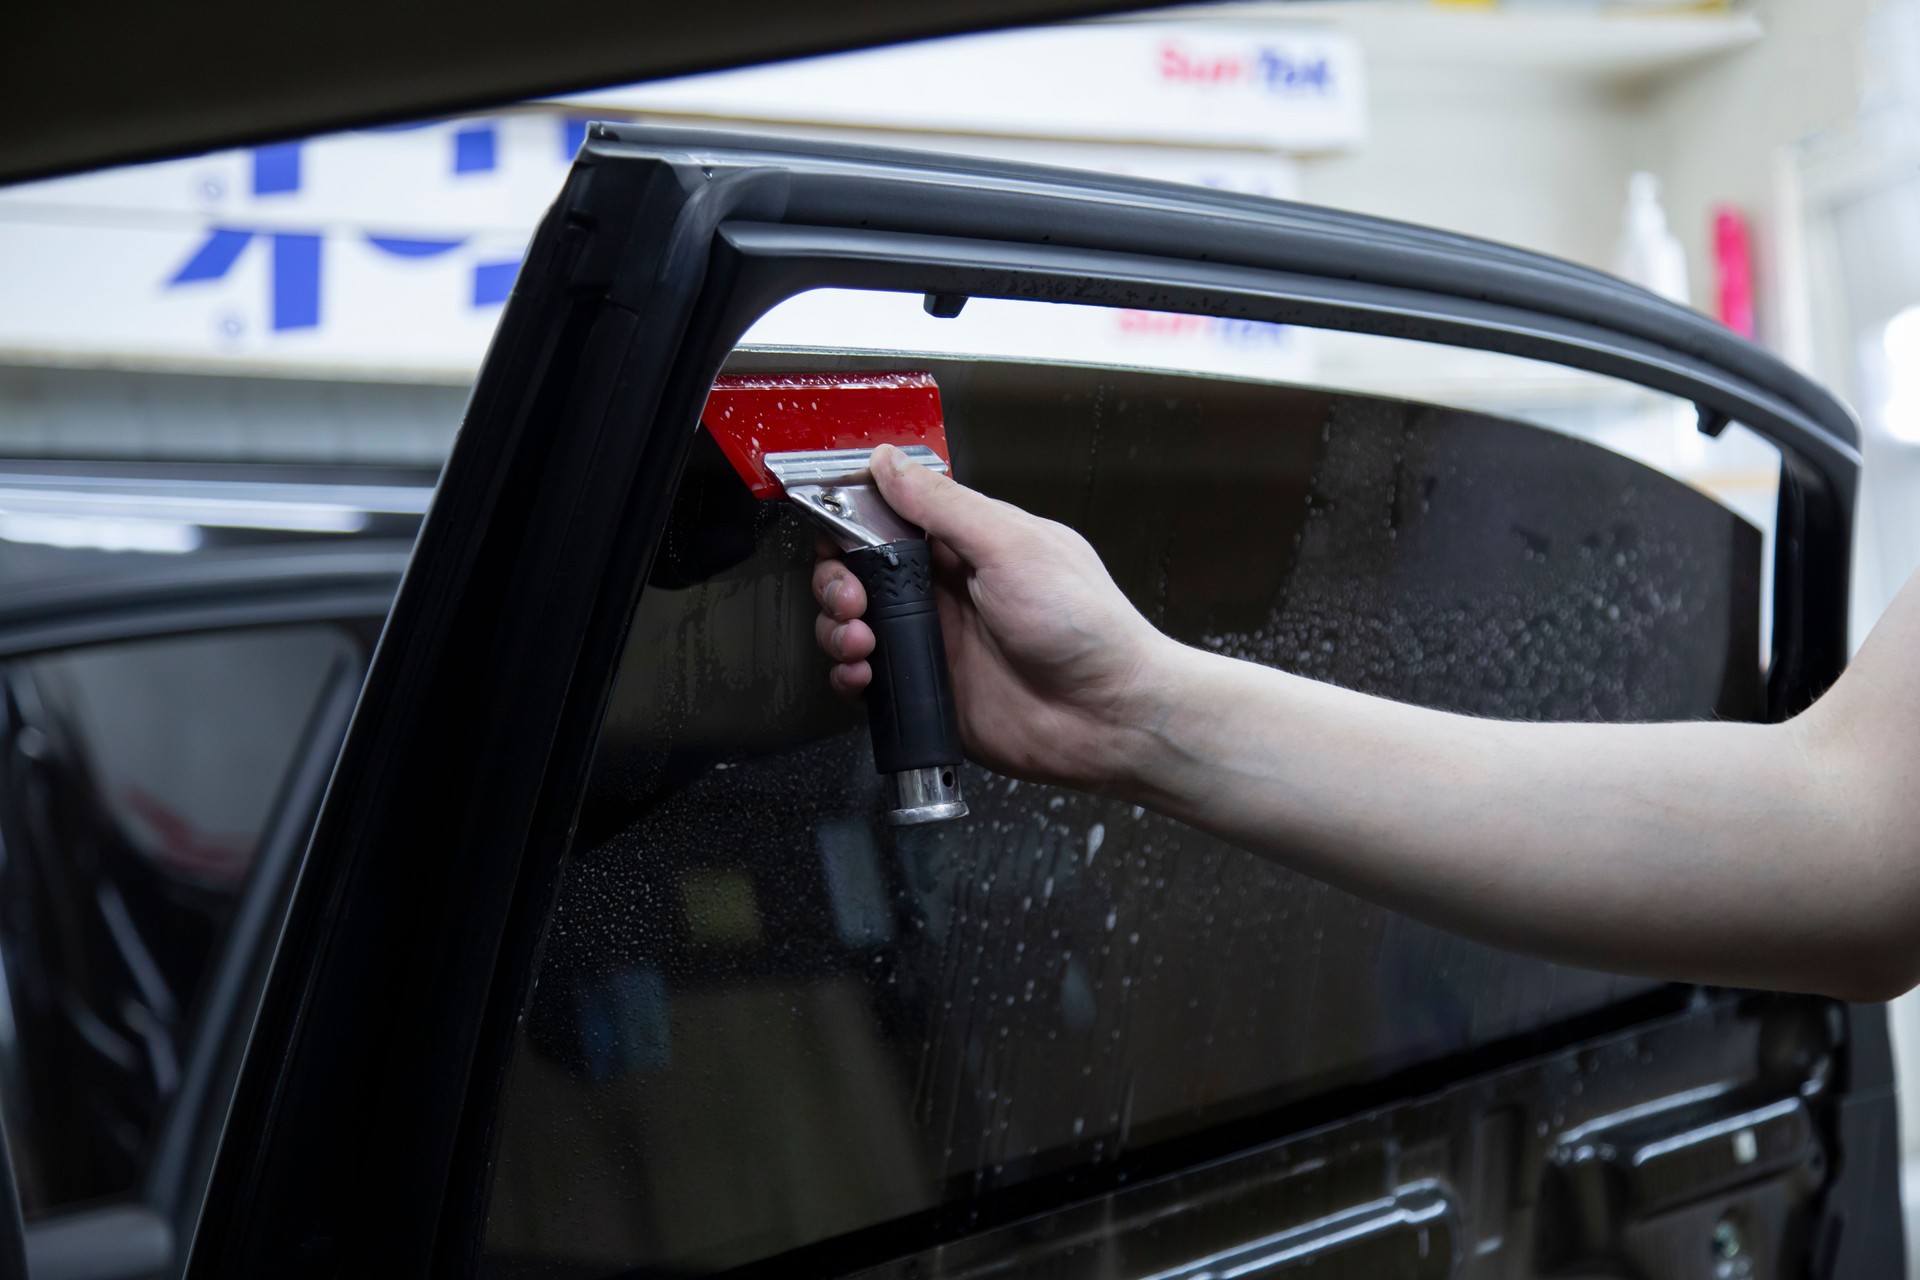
x,y
752,415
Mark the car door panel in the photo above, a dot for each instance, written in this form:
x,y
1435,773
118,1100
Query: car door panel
x,y
1083,990
1480,1166
364,1129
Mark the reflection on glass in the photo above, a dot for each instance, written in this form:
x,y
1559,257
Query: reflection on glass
x,y
141,778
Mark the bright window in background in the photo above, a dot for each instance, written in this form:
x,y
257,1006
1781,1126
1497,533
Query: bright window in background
x,y
1660,430
1900,406
1738,467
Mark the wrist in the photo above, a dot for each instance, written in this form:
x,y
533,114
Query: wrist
x,y
1142,748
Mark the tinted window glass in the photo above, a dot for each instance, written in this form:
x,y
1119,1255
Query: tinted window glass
x,y
763,1019
140,780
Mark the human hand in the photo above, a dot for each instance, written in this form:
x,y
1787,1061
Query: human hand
x,y
1053,668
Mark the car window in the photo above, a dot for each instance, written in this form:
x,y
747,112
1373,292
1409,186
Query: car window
x,y
142,777
764,1020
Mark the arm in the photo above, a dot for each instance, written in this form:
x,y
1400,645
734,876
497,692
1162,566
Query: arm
x,y
1783,856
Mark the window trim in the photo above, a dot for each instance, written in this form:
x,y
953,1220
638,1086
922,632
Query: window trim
x,y
213,591
361,1130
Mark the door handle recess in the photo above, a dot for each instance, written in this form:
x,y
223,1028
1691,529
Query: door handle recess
x,y
1618,1171
1669,1158
1414,1233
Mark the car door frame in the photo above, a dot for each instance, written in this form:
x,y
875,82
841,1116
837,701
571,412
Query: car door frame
x,y
360,1133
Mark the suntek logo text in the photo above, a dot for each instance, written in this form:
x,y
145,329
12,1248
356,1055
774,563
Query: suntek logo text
x,y
1274,69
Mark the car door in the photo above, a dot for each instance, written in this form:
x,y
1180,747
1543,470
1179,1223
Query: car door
x,y
168,730
598,964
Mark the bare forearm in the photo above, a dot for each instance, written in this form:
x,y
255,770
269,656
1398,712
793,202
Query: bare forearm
x,y
1714,852
1783,855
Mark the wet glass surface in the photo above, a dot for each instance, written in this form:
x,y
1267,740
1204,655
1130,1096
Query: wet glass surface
x,y
763,1019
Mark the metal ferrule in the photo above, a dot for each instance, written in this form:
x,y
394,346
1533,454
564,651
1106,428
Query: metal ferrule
x,y
924,795
835,487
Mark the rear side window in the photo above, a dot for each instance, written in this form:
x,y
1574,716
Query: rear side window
x,y
763,1020
142,778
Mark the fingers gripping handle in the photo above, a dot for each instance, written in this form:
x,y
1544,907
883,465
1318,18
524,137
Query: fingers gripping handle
x,y
910,700
910,707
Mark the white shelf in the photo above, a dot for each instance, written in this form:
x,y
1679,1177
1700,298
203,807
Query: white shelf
x,y
1605,45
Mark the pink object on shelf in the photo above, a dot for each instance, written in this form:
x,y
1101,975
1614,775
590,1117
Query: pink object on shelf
x,y
1733,268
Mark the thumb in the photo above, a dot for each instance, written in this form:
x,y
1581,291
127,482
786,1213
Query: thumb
x,y
968,521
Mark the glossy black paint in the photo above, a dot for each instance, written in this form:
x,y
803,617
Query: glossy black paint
x,y
363,1114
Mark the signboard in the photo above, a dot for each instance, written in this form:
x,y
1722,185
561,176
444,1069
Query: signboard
x,y
1019,330
381,254
387,254
1209,85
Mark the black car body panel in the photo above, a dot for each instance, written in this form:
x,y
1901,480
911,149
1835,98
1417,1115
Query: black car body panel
x,y
361,1132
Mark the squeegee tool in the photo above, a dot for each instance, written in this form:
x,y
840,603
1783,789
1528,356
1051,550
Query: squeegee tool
x,y
809,438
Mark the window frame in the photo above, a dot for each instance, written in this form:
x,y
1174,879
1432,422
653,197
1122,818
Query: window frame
x,y
416,925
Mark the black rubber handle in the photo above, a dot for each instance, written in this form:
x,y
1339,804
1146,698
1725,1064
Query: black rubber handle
x,y
910,702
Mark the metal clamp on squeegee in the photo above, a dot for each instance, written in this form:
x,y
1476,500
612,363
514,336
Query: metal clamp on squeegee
x,y
836,488
916,736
